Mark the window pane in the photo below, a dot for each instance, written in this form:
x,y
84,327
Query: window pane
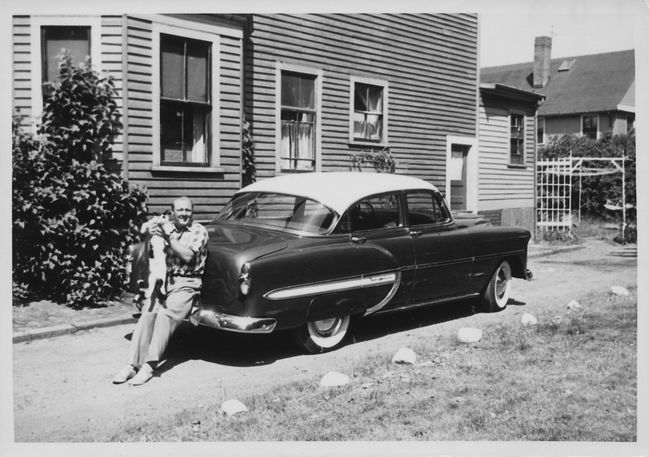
x,y
76,40
374,127
375,99
171,129
172,63
184,133
378,212
298,91
361,102
197,71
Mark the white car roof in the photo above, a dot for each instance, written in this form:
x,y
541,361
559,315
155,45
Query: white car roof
x,y
337,190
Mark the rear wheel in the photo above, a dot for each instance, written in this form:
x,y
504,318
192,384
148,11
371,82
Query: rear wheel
x,y
323,335
497,293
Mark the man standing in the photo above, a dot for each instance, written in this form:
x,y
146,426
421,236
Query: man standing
x,y
186,255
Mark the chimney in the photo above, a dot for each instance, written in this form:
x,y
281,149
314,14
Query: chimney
x,y
542,49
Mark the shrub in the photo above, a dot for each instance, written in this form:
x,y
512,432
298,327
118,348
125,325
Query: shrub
x,y
596,190
73,219
248,155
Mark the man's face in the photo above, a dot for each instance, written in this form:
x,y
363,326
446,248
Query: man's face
x,y
182,213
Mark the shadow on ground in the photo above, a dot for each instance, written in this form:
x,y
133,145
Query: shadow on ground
x,y
233,349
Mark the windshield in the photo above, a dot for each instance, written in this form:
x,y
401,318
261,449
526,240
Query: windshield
x,y
278,211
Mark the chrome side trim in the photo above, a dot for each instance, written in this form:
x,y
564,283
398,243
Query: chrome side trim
x,y
438,301
388,297
239,324
334,286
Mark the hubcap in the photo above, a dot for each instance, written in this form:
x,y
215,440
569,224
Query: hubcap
x,y
326,327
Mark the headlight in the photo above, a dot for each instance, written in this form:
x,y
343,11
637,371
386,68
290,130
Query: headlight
x,y
244,279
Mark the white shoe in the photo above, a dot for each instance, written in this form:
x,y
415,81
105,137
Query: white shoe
x,y
123,375
143,375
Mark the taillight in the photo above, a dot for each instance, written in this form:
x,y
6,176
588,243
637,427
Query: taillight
x,y
244,279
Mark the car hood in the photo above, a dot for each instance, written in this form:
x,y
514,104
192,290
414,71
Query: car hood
x,y
234,240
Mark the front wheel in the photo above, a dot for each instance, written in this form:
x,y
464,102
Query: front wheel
x,y
323,335
497,293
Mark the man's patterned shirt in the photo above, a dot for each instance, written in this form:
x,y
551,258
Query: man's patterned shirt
x,y
194,237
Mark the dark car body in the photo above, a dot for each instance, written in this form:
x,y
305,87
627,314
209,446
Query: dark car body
x,y
305,252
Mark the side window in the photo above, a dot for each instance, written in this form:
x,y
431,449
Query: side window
x,y
57,39
185,103
298,121
425,207
376,212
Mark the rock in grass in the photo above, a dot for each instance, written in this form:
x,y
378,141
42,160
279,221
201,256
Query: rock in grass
x,y
334,379
232,407
618,290
469,335
529,319
574,304
404,355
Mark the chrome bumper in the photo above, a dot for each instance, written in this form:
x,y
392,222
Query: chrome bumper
x,y
236,323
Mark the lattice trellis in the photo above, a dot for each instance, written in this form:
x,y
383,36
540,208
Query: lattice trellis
x,y
554,187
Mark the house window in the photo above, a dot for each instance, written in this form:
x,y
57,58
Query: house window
x,y
589,126
298,121
56,39
540,130
185,102
517,139
48,36
368,112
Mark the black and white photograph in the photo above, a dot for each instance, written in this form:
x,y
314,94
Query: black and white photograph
x,y
361,228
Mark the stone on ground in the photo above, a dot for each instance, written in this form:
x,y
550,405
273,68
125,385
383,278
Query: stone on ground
x,y
232,407
469,335
618,290
529,319
404,355
334,379
573,304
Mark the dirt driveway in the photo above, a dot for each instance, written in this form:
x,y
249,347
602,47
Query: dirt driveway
x,y
62,389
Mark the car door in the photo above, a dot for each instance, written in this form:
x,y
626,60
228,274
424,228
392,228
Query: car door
x,y
376,226
443,252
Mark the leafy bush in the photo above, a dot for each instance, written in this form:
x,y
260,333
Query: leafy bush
x,y
381,160
596,190
73,219
248,155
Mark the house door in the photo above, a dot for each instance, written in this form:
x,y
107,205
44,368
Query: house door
x,y
458,176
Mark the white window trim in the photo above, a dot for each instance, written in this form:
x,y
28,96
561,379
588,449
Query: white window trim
x,y
214,39
386,97
545,136
317,72
472,166
94,22
581,123
509,139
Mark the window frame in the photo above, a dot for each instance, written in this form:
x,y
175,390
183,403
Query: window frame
x,y
398,194
353,80
438,198
36,48
316,73
214,156
510,116
583,117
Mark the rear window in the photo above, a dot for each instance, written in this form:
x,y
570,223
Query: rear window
x,y
278,211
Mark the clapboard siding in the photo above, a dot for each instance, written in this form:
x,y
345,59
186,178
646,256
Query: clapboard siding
x,y
21,69
500,183
429,62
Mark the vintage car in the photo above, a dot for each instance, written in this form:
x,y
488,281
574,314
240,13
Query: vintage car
x,y
306,252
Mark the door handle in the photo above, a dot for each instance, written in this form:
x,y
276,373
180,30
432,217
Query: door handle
x,y
414,233
359,239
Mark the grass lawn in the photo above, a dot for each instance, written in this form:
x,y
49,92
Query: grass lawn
x,y
572,377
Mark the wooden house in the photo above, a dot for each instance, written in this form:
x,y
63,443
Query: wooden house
x,y
585,95
320,91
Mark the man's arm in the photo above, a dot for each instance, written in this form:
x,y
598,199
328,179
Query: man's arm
x,y
185,253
